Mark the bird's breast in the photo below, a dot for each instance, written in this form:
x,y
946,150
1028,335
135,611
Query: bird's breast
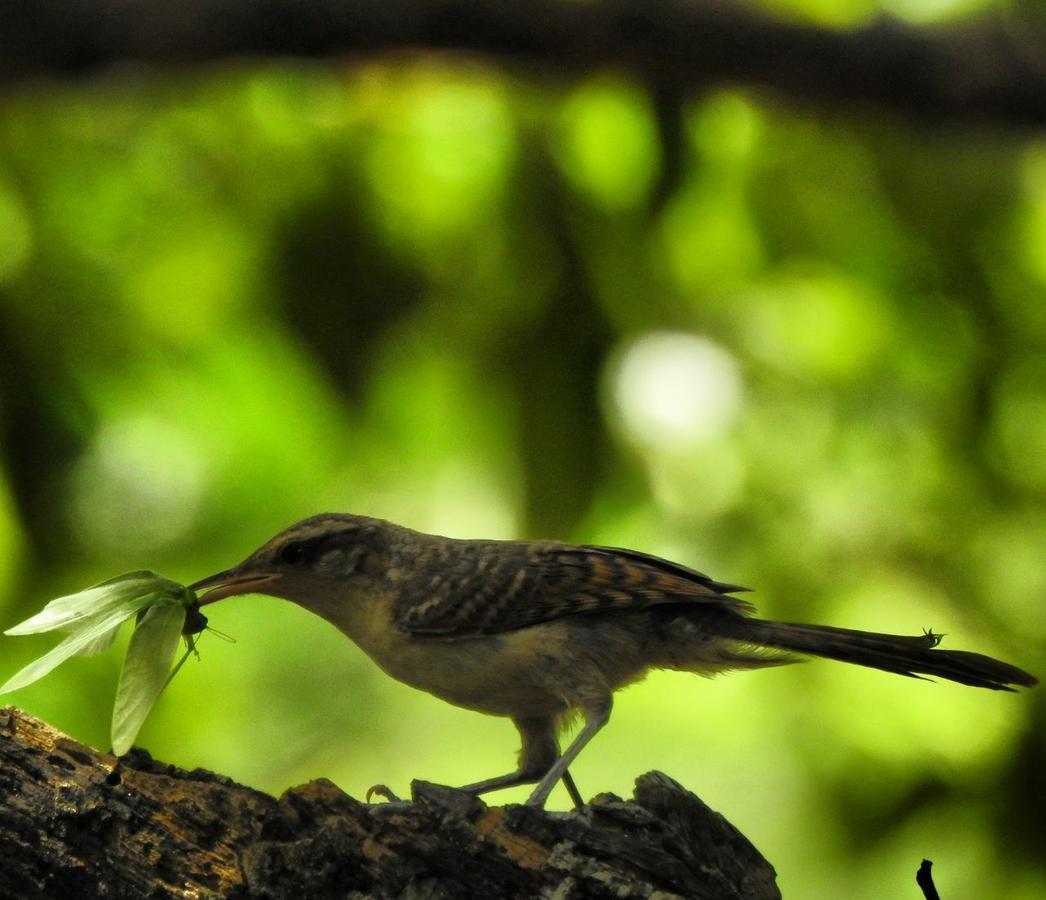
x,y
511,674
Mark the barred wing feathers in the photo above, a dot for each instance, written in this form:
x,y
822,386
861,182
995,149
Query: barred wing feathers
x,y
478,587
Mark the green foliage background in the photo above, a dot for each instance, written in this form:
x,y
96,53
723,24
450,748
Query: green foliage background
x,y
808,358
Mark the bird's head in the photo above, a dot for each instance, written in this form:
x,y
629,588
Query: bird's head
x,y
317,559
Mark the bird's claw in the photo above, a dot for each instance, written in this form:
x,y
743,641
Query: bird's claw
x,y
382,790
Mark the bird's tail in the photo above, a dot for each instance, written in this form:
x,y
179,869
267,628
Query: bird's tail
x,y
911,656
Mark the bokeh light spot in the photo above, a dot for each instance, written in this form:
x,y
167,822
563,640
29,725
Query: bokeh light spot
x,y
192,287
1018,430
727,127
1031,239
441,151
138,488
609,146
673,390
10,538
15,234
822,324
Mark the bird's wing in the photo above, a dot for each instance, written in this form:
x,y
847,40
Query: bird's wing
x,y
487,588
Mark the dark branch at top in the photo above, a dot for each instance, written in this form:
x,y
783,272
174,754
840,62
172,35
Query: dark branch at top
x,y
984,71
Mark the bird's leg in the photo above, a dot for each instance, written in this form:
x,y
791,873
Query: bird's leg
x,y
381,790
540,753
594,720
501,781
520,777
575,794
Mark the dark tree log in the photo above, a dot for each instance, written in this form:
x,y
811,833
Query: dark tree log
x,y
81,824
989,70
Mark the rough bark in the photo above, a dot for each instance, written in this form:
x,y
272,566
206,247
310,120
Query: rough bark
x,y
991,69
78,823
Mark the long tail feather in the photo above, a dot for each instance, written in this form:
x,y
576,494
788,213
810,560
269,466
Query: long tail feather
x,y
910,656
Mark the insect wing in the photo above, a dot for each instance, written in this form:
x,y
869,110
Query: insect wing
x,y
129,593
81,643
145,671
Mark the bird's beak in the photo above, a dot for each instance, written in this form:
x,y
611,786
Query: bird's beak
x,y
230,583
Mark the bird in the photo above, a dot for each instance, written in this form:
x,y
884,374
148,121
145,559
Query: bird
x,y
541,632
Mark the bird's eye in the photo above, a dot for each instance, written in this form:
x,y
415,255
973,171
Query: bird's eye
x,y
293,554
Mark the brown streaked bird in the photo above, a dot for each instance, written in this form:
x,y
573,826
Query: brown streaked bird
x,y
537,630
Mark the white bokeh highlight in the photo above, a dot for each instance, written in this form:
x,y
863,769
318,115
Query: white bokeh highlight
x,y
138,487
674,390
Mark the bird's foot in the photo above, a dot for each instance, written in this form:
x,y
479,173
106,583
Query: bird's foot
x,y
382,790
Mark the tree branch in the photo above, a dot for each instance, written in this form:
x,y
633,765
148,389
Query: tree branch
x,y
78,823
983,71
